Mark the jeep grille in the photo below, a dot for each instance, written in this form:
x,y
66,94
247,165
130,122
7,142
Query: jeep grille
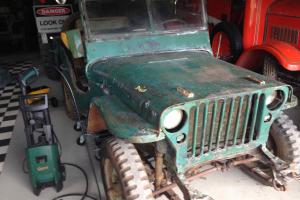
x,y
218,124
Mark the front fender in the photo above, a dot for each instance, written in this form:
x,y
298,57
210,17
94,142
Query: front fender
x,y
287,55
109,113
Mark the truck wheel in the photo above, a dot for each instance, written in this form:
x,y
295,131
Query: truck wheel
x,y
284,141
48,61
226,42
270,67
70,109
123,172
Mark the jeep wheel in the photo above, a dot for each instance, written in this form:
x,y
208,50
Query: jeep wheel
x,y
70,109
270,67
123,172
284,141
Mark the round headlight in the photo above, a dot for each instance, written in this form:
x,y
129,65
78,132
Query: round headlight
x,y
173,119
271,97
275,100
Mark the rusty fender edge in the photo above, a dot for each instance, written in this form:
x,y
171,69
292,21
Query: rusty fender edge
x,y
121,121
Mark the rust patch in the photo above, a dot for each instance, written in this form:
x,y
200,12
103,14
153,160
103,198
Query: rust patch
x,y
96,123
141,88
256,80
213,73
185,92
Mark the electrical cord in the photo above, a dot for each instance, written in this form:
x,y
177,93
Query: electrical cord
x,y
85,194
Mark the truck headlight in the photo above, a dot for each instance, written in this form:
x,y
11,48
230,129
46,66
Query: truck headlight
x,y
173,119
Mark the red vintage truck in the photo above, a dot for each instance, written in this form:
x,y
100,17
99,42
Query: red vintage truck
x,y
269,35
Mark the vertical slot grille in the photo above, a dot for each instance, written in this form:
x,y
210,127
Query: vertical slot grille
x,y
222,123
285,34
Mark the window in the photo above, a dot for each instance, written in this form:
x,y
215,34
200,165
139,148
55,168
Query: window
x,y
108,18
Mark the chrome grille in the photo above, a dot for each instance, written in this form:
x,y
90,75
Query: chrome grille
x,y
285,34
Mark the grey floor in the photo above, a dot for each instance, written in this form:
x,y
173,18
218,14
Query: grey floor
x,y
14,184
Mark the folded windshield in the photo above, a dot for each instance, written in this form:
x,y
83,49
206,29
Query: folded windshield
x,y
119,17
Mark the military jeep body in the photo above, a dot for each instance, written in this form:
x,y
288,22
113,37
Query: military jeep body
x,y
143,71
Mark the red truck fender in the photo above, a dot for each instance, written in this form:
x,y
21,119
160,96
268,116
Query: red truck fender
x,y
287,56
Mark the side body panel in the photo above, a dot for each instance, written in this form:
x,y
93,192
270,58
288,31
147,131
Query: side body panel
x,y
254,22
124,123
286,55
283,23
274,31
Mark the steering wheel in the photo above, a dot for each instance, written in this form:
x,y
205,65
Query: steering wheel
x,y
173,23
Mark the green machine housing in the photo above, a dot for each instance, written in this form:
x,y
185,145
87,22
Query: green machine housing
x,y
44,166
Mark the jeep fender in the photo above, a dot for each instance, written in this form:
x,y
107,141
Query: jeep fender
x,y
109,113
287,55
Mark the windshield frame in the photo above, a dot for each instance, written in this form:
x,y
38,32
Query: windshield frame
x,y
117,36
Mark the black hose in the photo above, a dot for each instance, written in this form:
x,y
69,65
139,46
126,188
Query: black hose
x,y
83,127
84,195
74,194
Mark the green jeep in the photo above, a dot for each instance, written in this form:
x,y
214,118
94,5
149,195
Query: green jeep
x,y
143,71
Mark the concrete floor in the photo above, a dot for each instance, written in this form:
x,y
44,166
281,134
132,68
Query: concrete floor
x,y
14,184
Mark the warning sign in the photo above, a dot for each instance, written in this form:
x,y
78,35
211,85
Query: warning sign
x,y
50,19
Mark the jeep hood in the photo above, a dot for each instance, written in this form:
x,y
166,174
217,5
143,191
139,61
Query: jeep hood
x,y
149,84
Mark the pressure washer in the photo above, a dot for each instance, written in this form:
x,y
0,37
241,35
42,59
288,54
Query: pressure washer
x,y
42,152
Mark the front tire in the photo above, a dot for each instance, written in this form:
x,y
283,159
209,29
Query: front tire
x,y
123,172
286,141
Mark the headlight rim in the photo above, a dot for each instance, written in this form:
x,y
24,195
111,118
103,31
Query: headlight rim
x,y
278,100
178,125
